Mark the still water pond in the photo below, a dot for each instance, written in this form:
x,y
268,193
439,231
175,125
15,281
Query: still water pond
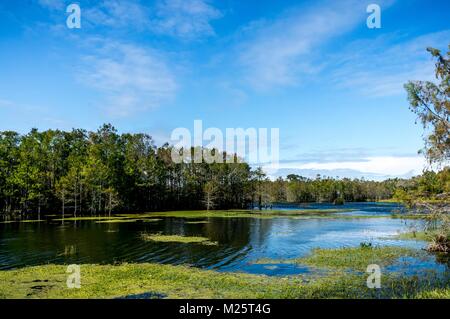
x,y
241,241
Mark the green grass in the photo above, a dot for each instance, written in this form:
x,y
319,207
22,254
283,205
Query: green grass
x,y
113,221
306,213
177,239
394,201
410,216
115,281
295,214
357,258
151,220
23,221
89,218
420,235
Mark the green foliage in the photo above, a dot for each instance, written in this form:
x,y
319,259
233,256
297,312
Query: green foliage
x,y
428,186
365,245
427,196
299,189
81,172
431,102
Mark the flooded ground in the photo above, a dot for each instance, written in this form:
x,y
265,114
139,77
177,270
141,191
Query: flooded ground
x,y
239,241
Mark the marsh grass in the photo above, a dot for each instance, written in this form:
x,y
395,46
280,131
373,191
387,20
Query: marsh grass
x,y
357,258
409,216
93,218
354,258
177,239
305,213
151,220
116,281
198,222
23,221
440,243
416,235
113,221
243,213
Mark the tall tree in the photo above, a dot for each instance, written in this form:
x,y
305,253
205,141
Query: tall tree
x,y
431,102
210,190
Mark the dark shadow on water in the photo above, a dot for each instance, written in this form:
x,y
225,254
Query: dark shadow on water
x,y
279,269
145,295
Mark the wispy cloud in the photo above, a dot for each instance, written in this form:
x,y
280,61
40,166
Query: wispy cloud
x,y
279,52
182,19
185,19
129,14
380,67
349,154
336,173
129,77
6,103
374,166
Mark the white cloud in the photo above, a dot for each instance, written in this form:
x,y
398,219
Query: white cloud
x,y
129,77
185,19
119,14
277,53
376,165
179,18
381,66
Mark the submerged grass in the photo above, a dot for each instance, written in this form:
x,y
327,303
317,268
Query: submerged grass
x,y
177,239
357,258
94,218
198,222
151,220
416,235
410,216
305,213
354,258
23,221
113,221
244,213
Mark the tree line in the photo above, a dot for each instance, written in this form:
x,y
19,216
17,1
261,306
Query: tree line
x,y
299,189
99,172
81,172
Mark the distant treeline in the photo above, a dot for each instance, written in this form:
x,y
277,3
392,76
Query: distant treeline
x,y
81,172
298,189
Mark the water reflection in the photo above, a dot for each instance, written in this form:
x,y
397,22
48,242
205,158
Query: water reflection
x,y
241,241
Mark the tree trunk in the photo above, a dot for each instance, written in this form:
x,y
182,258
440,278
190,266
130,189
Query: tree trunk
x,y
63,205
110,203
75,200
39,208
81,198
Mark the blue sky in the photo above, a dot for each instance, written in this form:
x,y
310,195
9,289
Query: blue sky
x,y
313,69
